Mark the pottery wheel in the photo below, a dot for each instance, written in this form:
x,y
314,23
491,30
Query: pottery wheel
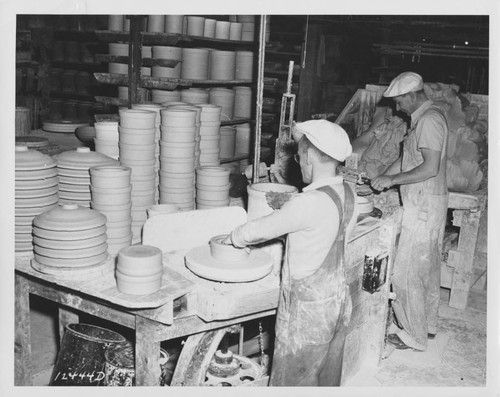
x,y
257,265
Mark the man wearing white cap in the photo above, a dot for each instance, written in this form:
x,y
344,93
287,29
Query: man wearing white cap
x,y
421,174
314,306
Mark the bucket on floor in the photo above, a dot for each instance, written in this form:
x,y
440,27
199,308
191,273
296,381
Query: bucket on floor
x,y
81,358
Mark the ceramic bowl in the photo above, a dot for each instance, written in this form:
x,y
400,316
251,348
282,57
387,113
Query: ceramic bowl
x,y
212,195
137,118
136,286
45,183
227,252
212,203
70,244
177,152
134,138
86,134
160,209
176,198
110,177
176,183
71,253
142,256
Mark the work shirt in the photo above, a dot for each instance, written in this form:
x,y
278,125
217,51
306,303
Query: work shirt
x,y
430,130
311,221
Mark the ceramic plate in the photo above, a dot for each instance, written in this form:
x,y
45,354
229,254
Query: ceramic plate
x,y
29,175
81,203
70,244
24,220
32,141
81,196
31,193
69,235
36,201
71,253
67,187
72,180
27,159
23,229
23,247
67,263
62,125
82,158
37,184
80,272
33,211
69,217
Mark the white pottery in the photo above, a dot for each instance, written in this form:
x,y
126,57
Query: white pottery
x,y
108,148
134,136
242,103
60,253
136,285
195,25
140,260
206,204
235,30
30,160
202,194
162,71
81,160
212,176
222,65
209,142
177,165
195,63
118,68
69,235
108,196
142,201
70,187
222,30
243,65
177,151
176,137
37,183
226,252
69,218
194,96
36,201
42,192
118,49
156,23
146,51
243,139
209,28
115,22
136,118
66,263
70,244
160,209
160,96
178,117
210,131
144,185
209,112
224,98
175,198
174,23
110,177
227,142
122,92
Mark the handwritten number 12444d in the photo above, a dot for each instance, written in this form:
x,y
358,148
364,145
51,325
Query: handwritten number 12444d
x,y
92,376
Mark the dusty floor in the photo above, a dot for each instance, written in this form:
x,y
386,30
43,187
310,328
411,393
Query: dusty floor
x,y
457,357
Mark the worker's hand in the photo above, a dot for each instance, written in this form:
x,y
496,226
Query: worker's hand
x,y
382,182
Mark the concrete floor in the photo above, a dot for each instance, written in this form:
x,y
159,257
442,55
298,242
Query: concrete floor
x,y
457,357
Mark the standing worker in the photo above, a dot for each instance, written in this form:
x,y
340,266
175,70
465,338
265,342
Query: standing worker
x,y
314,306
421,172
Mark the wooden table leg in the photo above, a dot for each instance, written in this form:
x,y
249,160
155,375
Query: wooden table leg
x,y
147,353
22,343
66,317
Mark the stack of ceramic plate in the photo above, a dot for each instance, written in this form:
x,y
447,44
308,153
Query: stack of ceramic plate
x,y
74,177
212,187
106,138
210,134
139,270
36,191
70,240
138,151
63,126
153,107
111,196
177,157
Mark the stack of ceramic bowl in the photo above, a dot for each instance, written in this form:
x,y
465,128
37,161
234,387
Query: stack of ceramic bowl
x,y
70,239
153,107
227,142
139,270
209,134
243,145
197,133
242,103
36,191
106,138
137,151
177,157
111,196
212,187
223,97
194,96
165,52
74,177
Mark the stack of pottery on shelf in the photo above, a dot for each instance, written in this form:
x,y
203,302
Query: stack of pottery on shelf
x,y
139,270
212,187
174,24
166,52
195,25
235,31
36,191
111,196
156,23
121,49
210,134
222,65
138,151
223,97
70,240
248,27
153,107
74,177
177,157
227,142
197,109
195,63
242,103
106,138
243,65
209,28
194,96
160,96
222,30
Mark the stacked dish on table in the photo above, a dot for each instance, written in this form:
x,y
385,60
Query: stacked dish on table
x,y
177,157
197,109
138,151
70,240
212,187
111,196
36,191
74,177
106,138
210,117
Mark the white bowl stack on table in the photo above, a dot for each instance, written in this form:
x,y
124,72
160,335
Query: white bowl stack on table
x,y
177,156
138,151
212,187
197,109
106,138
37,191
210,121
74,176
111,196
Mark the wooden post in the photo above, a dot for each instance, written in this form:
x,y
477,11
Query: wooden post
x,y
135,59
147,353
22,336
66,317
23,121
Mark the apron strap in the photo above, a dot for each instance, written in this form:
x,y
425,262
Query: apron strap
x,y
345,211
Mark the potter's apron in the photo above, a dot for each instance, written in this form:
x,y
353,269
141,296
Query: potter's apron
x,y
313,313
417,267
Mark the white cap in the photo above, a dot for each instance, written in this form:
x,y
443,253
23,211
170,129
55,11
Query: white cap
x,y
404,83
328,137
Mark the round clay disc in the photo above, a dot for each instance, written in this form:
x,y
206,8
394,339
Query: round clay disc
x,y
258,265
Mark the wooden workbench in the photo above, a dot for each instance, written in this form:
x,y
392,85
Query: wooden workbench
x,y
204,306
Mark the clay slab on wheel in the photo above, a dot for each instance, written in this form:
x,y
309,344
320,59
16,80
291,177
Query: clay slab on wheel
x,y
200,261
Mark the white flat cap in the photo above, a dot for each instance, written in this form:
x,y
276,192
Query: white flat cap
x,y
328,137
404,83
